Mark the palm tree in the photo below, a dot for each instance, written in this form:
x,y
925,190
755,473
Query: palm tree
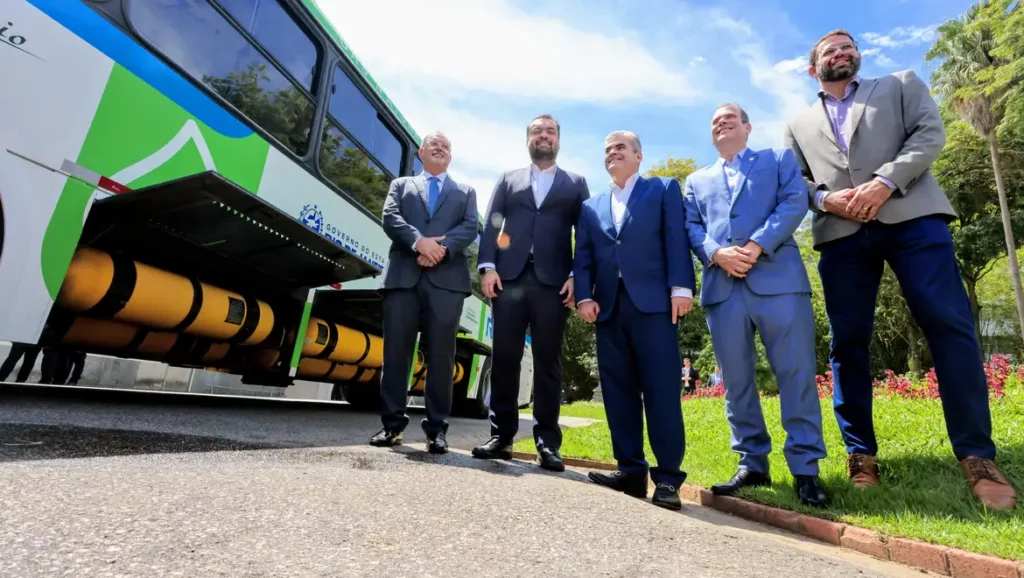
x,y
964,47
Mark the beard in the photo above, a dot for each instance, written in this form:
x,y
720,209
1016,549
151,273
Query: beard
x,y
842,72
543,155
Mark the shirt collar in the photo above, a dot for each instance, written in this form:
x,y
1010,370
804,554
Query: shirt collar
x,y
630,182
440,178
736,159
548,171
849,89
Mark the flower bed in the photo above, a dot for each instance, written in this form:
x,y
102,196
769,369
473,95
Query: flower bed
x,y
998,371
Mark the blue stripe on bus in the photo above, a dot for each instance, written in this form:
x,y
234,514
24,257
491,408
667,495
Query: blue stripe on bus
x,y
108,39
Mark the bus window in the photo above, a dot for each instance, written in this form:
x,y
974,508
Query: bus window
x,y
417,165
355,112
278,33
346,165
195,36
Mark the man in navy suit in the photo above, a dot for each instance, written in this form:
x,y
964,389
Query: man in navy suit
x,y
634,279
741,213
431,220
527,273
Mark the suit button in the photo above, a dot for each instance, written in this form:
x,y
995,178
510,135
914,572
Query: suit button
x,y
729,239
733,215
618,242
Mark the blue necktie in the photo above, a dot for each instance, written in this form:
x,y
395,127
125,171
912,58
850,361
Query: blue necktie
x,y
434,192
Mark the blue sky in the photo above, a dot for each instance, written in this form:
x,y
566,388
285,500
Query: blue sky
x,y
480,69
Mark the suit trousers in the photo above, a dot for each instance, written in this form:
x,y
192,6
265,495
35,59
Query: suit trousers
x,y
434,312
526,302
920,253
786,325
639,364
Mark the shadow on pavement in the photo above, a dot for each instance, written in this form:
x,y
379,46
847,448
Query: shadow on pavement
x,y
26,442
513,468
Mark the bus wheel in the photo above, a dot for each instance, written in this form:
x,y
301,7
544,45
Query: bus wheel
x,y
362,397
479,406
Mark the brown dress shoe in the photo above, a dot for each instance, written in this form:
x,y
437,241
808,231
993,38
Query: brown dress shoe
x,y
862,470
992,489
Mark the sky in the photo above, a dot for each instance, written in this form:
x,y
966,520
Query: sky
x,y
479,70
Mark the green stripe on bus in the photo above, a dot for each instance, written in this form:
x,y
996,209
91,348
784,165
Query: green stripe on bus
x,y
300,337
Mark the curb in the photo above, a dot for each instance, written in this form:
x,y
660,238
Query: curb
x,y
942,560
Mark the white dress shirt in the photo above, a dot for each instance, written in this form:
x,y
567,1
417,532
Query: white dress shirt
x,y
620,196
540,181
731,168
426,189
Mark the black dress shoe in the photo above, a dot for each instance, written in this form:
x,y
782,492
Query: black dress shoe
x,y
493,449
744,478
810,492
386,438
667,496
631,485
436,444
550,460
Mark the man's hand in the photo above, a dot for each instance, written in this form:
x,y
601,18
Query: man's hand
x,y
735,261
867,199
589,310
431,248
424,261
569,290
680,306
754,249
487,284
836,202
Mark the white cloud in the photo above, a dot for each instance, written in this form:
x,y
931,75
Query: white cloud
x,y
491,46
785,81
901,36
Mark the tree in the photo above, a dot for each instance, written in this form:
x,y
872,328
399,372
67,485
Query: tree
x,y
964,171
964,47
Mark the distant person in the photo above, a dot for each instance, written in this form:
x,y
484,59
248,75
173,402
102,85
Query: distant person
x,y
866,147
690,376
19,350
715,379
741,213
431,221
530,284
634,280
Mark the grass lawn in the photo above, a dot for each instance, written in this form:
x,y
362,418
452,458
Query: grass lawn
x,y
923,494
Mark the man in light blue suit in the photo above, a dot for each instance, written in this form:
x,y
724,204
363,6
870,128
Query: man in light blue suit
x,y
635,279
741,213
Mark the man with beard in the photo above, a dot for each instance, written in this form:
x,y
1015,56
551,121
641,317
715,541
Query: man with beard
x,y
865,148
526,262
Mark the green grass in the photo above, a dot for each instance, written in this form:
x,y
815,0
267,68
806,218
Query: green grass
x,y
923,494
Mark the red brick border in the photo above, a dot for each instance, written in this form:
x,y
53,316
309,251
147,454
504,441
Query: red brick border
x,y
940,560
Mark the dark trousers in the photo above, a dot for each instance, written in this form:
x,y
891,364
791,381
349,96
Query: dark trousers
x,y
639,363
31,352
920,253
434,312
526,302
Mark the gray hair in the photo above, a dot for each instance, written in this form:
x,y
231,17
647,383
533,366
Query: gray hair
x,y
436,134
743,114
633,139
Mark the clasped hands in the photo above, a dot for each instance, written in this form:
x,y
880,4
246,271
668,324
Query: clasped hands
x,y
860,203
737,261
430,250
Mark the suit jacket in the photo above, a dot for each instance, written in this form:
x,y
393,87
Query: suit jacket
x,y
651,251
769,203
547,228
407,220
897,134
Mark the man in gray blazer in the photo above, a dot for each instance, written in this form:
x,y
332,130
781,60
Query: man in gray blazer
x,y
865,147
431,220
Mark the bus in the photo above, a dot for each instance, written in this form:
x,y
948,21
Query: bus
x,y
199,183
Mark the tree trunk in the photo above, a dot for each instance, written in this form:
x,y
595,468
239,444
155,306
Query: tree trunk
x,y
972,296
1011,246
913,359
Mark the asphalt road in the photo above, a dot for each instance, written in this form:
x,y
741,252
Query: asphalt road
x,y
94,485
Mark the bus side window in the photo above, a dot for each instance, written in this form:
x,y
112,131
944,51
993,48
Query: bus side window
x,y
353,111
348,167
197,37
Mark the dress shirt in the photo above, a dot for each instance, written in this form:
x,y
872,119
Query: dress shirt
x,y
620,196
426,188
838,111
731,168
540,181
